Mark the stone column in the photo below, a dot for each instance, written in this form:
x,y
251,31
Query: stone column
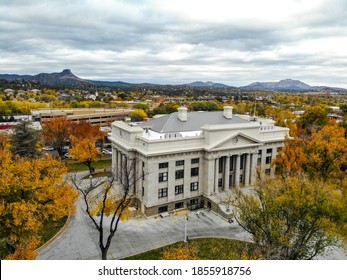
x,y
207,182
254,162
226,173
237,171
247,168
115,163
216,164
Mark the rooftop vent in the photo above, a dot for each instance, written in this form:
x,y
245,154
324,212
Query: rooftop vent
x,y
182,114
228,112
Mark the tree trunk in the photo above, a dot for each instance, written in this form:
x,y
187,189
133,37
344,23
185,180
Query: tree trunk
x,y
104,254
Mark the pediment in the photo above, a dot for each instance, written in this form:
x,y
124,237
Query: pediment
x,y
235,141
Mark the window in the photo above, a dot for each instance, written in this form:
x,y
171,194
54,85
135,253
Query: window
x,y
268,160
241,178
179,162
178,189
220,167
179,174
269,151
194,186
231,163
163,165
179,205
242,161
194,201
162,209
259,161
220,182
143,191
259,152
195,160
267,171
194,171
162,192
163,177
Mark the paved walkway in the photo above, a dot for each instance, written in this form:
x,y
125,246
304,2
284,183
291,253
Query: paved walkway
x,y
134,236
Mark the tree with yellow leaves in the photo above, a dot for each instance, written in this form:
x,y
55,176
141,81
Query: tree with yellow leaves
x,y
107,200
292,218
84,150
32,191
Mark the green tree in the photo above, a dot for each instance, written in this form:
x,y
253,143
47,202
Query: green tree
x,y
142,106
314,117
25,140
165,108
292,218
203,106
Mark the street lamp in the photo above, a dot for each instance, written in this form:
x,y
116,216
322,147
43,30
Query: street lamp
x,y
91,180
185,228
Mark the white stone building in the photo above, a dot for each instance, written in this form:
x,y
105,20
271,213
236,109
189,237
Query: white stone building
x,y
189,159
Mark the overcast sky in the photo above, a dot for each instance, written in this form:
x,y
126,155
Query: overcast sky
x,y
235,42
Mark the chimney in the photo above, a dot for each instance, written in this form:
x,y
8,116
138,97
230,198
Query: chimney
x,y
182,114
228,112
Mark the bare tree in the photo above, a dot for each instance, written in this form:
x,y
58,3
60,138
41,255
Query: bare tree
x,y
108,197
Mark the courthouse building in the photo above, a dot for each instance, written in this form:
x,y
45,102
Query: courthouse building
x,y
189,159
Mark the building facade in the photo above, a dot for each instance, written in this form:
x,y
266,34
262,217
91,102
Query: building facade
x,y
102,117
188,159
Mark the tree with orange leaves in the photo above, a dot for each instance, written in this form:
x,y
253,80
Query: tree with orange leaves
x,y
57,133
291,157
84,138
32,191
83,129
327,153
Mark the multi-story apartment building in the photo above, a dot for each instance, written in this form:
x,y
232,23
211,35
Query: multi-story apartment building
x,y
186,159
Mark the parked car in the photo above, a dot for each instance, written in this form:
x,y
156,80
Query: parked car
x,y
106,152
66,155
48,148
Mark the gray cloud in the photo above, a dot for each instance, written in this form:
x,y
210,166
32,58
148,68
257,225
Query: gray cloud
x,y
173,42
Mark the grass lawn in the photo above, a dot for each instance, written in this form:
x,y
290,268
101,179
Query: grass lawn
x,y
50,229
208,249
77,166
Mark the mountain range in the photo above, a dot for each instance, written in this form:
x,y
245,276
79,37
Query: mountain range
x,y
67,78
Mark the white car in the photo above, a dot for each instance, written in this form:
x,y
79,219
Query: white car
x,y
48,148
106,152
66,155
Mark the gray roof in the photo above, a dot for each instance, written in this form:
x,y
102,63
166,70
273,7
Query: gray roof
x,y
195,120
